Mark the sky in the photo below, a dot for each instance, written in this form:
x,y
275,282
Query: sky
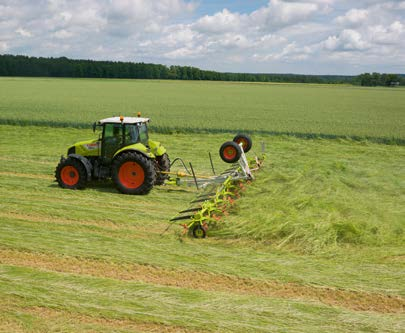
x,y
256,36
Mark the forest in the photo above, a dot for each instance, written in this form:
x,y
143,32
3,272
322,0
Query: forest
x,y
19,65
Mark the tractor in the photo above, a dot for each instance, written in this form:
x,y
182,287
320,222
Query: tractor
x,y
122,152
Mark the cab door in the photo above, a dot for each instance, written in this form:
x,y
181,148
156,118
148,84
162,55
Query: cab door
x,y
113,139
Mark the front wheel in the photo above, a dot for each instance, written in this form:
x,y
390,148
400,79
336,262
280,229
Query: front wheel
x,y
133,173
71,174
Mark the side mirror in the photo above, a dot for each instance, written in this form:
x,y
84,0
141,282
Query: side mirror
x,y
94,127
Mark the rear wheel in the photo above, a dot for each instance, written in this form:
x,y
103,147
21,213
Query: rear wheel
x,y
71,173
162,164
230,152
133,173
245,140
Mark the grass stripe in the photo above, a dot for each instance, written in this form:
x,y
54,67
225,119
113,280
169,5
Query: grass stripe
x,y
354,300
15,317
213,256
174,306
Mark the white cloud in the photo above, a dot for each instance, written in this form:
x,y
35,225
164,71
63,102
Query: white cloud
x,y
293,52
269,41
23,32
276,15
353,17
173,7
282,13
179,35
6,12
186,52
392,34
221,22
235,41
63,34
348,40
129,16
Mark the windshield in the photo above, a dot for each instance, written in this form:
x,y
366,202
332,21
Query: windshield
x,y
143,133
131,134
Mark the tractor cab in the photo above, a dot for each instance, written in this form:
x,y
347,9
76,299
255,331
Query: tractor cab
x,y
120,132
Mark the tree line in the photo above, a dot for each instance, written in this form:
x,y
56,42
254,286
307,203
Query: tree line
x,y
17,65
377,79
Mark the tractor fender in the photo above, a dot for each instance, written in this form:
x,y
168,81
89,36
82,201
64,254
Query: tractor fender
x,y
85,162
137,147
120,152
156,148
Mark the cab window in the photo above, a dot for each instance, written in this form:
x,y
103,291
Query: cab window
x,y
143,133
131,134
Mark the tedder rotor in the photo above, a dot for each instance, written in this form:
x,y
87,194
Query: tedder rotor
x,y
218,191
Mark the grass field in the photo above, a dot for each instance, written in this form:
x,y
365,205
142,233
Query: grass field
x,y
315,244
299,109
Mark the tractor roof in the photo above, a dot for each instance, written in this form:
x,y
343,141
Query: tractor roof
x,y
125,120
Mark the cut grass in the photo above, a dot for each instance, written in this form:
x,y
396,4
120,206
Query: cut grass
x,y
16,318
316,194
211,311
354,300
100,227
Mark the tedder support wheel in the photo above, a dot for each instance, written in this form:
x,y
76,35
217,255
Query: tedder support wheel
x,y
230,152
162,164
245,140
199,231
71,173
133,173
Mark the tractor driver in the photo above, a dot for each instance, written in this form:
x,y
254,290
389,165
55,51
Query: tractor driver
x,y
131,134
117,135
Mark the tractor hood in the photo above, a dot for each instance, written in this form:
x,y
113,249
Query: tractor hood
x,y
86,148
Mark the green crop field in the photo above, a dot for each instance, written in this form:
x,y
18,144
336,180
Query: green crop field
x,y
315,244
299,109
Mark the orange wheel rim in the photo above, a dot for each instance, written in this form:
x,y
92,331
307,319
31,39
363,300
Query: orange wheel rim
x,y
230,153
131,175
69,175
243,141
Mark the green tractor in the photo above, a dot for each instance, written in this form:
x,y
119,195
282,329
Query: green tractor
x,y
122,152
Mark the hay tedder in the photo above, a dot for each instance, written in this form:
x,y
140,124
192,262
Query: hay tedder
x,y
218,192
135,163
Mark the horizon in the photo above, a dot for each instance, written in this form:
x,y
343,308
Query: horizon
x,y
253,73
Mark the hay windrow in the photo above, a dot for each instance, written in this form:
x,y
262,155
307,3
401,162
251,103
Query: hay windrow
x,y
56,318
353,300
